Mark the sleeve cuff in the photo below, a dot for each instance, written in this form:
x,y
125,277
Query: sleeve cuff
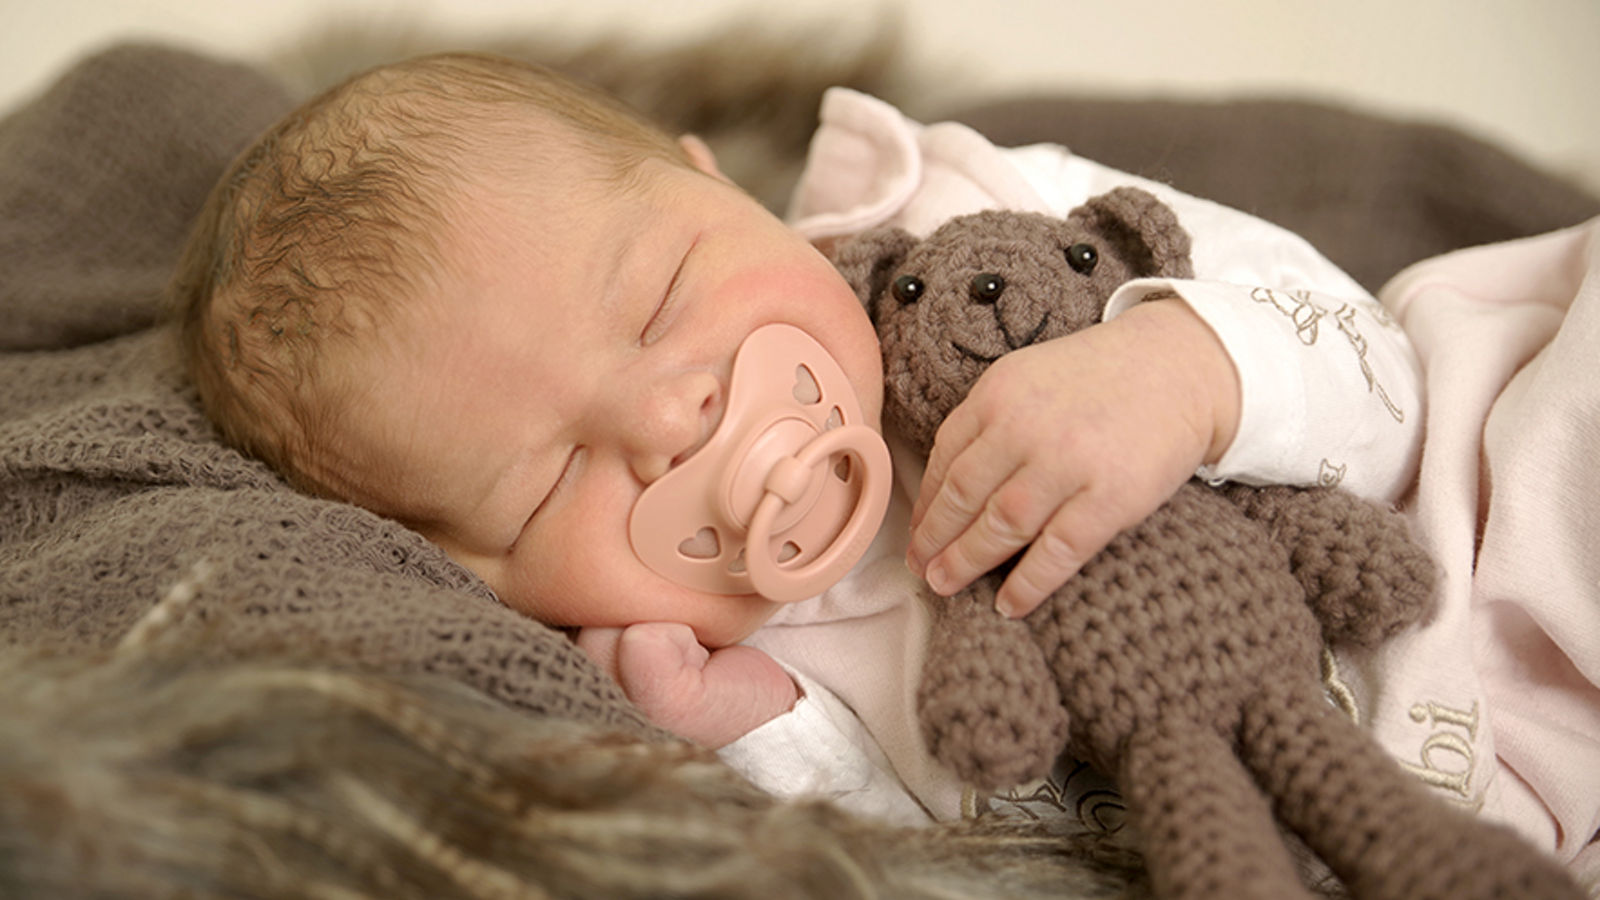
x,y
820,750
1329,388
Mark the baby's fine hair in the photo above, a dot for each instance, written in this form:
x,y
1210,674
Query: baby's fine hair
x,y
315,229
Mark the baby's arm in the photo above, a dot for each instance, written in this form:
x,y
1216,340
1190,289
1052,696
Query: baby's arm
x,y
1061,445
710,697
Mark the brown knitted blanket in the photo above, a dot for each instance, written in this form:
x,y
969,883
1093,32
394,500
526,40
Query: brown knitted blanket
x,y
121,511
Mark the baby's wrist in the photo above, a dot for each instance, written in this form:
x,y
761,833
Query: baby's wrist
x,y
1206,368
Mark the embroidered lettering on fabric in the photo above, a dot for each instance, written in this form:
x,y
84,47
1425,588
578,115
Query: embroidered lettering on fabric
x,y
1073,795
1447,757
1336,689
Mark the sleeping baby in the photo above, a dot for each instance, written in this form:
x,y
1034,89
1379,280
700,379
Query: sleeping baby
x,y
497,306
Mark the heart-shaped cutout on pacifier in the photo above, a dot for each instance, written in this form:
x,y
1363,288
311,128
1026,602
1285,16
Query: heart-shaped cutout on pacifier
x,y
806,390
703,545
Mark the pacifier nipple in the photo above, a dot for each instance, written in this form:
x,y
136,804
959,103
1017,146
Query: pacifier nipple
x,y
788,492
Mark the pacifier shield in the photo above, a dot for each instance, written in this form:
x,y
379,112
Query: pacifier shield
x,y
787,493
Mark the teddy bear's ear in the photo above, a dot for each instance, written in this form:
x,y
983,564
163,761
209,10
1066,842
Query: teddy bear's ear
x,y
868,259
1154,242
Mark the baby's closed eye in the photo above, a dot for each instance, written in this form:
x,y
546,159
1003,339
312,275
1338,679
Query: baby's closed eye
x,y
665,311
569,472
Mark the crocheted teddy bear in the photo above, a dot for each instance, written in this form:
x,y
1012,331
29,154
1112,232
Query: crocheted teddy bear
x,y
1186,658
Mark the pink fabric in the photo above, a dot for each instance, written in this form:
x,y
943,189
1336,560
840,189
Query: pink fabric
x,y
1496,702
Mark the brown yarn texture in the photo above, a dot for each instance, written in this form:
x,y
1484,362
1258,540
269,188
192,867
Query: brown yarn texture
x,y
1184,659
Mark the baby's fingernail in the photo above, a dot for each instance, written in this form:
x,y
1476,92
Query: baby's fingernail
x,y
914,563
1006,605
937,579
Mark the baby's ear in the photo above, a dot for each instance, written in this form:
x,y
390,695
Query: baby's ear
x,y
1136,217
700,155
867,260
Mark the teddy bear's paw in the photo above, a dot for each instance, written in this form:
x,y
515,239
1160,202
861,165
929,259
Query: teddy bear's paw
x,y
1363,575
993,743
1370,603
989,708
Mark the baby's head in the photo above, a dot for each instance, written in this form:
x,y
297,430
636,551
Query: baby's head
x,y
469,294
330,226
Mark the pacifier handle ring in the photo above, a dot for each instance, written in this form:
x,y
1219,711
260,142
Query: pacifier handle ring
x,y
872,458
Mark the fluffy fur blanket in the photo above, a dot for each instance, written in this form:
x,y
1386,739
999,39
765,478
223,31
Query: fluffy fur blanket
x,y
124,520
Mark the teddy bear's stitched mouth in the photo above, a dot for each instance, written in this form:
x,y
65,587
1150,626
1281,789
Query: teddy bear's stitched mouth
x,y
1030,338
972,354
986,358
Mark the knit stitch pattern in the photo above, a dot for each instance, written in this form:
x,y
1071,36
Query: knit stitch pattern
x,y
1186,656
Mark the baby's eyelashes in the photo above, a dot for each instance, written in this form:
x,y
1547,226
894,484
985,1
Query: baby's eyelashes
x,y
660,318
667,309
569,473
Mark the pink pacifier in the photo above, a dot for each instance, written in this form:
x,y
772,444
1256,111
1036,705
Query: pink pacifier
x,y
788,492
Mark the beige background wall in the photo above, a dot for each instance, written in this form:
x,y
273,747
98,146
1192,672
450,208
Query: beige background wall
x,y
1524,73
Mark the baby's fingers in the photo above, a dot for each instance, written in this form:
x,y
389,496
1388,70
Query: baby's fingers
x,y
1009,519
958,504
600,645
955,438
1078,531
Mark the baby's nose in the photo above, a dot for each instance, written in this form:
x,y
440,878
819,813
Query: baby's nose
x,y
668,421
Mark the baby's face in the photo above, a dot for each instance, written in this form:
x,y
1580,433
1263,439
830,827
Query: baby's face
x,y
581,349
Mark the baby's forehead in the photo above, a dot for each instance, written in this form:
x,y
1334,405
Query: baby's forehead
x,y
378,454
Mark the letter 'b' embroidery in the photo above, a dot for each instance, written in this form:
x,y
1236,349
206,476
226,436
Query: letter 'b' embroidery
x,y
1447,758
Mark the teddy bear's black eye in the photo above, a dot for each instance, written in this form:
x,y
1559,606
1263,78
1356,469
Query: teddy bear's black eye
x,y
1082,257
908,288
987,287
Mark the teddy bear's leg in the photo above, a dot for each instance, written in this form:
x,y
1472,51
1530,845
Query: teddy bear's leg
x,y
1205,827
1374,825
1363,574
988,706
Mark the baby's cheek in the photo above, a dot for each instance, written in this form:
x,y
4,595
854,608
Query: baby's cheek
x,y
724,621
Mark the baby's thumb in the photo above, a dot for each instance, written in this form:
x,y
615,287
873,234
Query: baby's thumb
x,y
659,663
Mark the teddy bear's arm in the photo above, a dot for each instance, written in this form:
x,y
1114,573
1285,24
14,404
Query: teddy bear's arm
x,y
1363,574
988,704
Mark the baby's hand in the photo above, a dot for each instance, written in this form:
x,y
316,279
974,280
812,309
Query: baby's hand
x,y
710,697
1061,445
